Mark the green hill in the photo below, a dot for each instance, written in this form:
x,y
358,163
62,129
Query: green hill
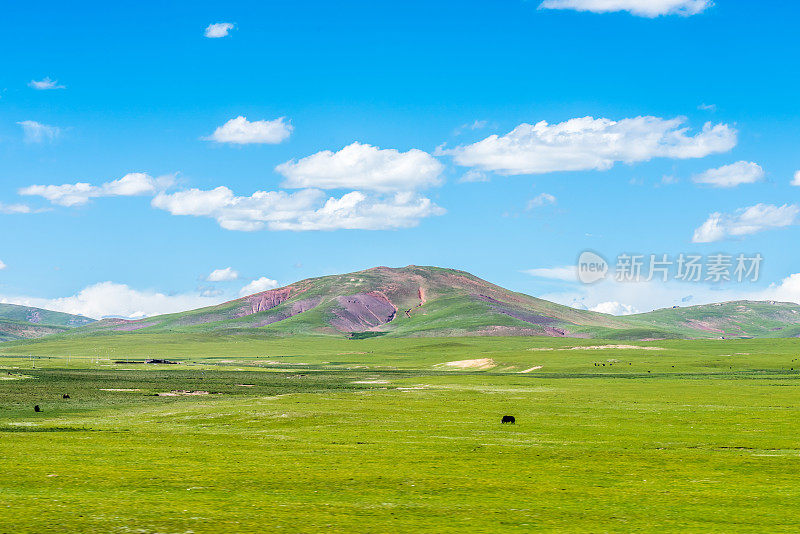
x,y
433,301
408,301
418,301
24,322
737,319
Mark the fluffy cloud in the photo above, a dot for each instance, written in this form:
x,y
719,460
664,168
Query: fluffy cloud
x,y
588,143
218,29
566,273
257,286
238,213
642,8
131,184
63,195
741,172
222,275
613,307
111,299
240,131
36,132
746,221
45,84
2,265
796,180
307,209
357,211
788,290
540,200
362,166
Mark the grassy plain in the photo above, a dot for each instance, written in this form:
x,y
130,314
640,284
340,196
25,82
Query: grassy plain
x,y
375,435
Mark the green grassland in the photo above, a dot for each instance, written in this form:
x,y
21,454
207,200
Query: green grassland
x,y
377,435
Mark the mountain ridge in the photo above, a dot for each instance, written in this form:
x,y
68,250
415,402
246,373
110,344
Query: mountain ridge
x,y
28,322
435,301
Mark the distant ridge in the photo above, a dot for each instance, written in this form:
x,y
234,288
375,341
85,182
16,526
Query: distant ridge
x,y
25,322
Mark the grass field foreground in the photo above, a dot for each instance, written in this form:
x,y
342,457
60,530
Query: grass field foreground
x,y
379,435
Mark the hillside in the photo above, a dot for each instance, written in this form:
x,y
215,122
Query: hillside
x,y
737,319
408,301
24,322
418,301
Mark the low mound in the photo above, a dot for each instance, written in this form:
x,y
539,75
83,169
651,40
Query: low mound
x,y
479,364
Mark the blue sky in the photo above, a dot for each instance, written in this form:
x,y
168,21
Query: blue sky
x,y
413,92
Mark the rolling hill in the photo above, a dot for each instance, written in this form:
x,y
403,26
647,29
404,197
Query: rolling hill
x,y
24,322
433,301
736,319
416,301
409,301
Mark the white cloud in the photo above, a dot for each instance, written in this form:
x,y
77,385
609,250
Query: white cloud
x,y
111,299
362,166
222,275
14,208
746,221
36,132
63,195
707,107
568,273
219,29
135,183
132,184
257,286
642,8
2,265
240,131
474,176
788,290
238,213
210,292
357,211
735,174
307,209
613,307
796,180
540,200
45,84
588,143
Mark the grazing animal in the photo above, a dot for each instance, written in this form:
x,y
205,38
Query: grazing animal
x,y
65,396
37,409
508,419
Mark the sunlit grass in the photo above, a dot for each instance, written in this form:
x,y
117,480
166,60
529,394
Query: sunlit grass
x,y
375,435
